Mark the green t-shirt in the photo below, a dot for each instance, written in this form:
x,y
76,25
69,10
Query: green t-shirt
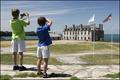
x,y
17,26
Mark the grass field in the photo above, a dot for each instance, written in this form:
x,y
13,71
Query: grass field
x,y
114,75
28,59
101,59
23,75
67,47
5,77
80,47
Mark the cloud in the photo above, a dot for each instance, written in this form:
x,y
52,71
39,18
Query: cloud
x,y
52,12
61,11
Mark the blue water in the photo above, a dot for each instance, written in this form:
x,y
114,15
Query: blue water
x,y
112,38
107,38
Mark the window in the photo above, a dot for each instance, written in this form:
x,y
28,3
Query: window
x,y
85,32
88,32
67,38
88,38
81,33
81,38
85,38
78,32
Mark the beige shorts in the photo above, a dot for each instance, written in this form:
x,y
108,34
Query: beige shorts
x,y
18,45
43,52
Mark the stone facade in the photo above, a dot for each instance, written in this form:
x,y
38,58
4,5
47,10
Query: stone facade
x,y
84,32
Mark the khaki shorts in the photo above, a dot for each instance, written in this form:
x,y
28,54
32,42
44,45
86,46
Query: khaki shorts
x,y
18,45
43,52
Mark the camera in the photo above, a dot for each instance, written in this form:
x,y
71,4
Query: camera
x,y
24,15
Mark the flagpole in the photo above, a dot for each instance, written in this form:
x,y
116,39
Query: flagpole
x,y
92,22
111,46
111,40
93,41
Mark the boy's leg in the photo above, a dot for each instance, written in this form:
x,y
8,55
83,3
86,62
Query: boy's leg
x,y
21,58
39,61
21,46
14,44
45,65
15,67
14,58
21,67
45,54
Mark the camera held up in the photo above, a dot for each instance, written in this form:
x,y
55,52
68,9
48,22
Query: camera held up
x,y
24,16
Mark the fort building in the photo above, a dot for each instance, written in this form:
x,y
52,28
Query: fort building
x,y
82,32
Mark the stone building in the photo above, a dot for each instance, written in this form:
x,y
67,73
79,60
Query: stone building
x,y
84,32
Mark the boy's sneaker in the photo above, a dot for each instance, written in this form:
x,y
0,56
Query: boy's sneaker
x,y
22,68
16,67
45,75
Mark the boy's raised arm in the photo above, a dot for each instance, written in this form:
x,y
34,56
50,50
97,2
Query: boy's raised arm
x,y
49,22
28,19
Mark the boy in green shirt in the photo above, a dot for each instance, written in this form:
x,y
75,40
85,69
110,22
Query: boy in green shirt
x,y
18,36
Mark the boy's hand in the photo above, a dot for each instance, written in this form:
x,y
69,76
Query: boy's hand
x,y
49,22
28,20
27,14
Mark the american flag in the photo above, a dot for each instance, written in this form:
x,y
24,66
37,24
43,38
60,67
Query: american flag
x,y
107,18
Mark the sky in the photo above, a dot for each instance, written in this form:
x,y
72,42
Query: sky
x,y
63,13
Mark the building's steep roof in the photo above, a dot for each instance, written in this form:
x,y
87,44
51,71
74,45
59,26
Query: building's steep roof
x,y
78,27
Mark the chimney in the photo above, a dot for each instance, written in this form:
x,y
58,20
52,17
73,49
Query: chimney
x,y
65,26
73,26
101,26
81,25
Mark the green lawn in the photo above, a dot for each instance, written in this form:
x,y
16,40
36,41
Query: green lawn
x,y
28,59
115,75
23,75
102,59
65,48
26,74
74,78
80,47
5,77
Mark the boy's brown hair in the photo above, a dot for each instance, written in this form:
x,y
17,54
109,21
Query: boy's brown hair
x,y
15,13
41,21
